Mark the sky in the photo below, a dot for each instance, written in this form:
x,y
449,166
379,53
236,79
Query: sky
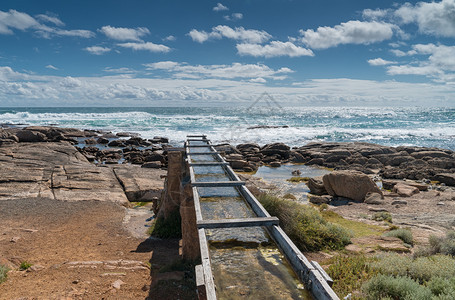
x,y
211,53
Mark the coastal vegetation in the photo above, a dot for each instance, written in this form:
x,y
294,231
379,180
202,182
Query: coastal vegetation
x,y
305,225
3,273
403,234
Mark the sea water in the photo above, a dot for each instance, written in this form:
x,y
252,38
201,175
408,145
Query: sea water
x,y
430,127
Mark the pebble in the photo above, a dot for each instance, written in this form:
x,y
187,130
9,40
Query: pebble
x,y
117,284
400,202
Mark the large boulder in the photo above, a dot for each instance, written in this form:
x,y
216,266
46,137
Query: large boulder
x,y
30,136
405,190
446,178
349,184
316,186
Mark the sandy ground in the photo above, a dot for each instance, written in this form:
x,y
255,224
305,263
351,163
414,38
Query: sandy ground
x,y
78,250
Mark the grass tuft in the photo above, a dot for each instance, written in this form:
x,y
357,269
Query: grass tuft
x,y
382,216
167,228
305,225
3,273
24,266
403,234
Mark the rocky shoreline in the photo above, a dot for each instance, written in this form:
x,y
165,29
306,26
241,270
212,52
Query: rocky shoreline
x,y
403,162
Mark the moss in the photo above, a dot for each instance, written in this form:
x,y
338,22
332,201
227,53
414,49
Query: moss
x,y
305,225
171,227
358,229
298,179
3,273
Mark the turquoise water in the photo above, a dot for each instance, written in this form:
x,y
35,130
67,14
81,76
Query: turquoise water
x,y
432,127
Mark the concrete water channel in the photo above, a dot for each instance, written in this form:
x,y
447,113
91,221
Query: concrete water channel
x,y
244,252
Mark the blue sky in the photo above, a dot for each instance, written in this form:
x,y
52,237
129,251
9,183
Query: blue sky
x,y
168,53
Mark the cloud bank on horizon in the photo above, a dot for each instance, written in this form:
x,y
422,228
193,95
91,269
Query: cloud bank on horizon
x,y
227,53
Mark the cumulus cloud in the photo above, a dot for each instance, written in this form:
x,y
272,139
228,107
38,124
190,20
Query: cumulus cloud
x,y
124,34
97,50
435,18
220,7
374,14
380,62
273,49
237,33
236,70
352,32
11,20
439,63
149,46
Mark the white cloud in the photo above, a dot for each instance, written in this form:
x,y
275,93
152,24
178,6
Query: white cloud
x,y
23,89
258,80
435,18
352,32
236,70
380,62
374,14
234,17
70,82
198,36
123,70
97,50
124,34
74,33
237,33
439,64
273,49
220,7
17,20
148,46
50,19
51,67
170,38
163,65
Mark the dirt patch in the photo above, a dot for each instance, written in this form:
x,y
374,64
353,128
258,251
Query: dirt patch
x,y
78,250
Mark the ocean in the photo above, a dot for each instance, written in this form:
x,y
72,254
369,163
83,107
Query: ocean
x,y
430,127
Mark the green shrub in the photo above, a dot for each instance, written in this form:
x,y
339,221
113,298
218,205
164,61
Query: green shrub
x,y
403,234
167,228
421,269
390,287
382,216
444,288
3,273
444,245
305,225
349,273
24,265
